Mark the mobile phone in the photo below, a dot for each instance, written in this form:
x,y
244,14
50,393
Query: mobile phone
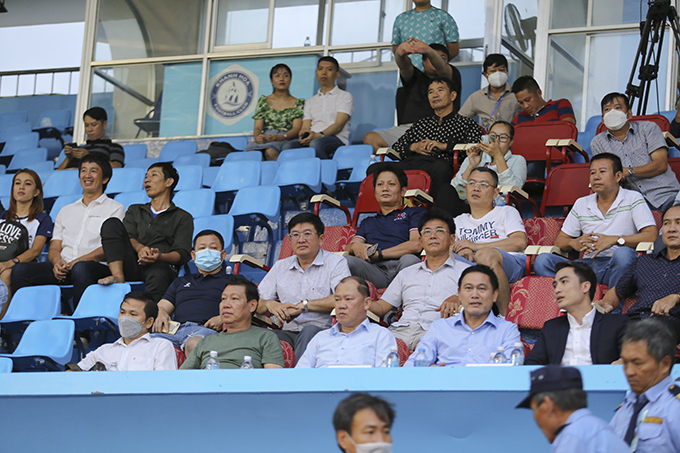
x,y
72,145
372,249
485,139
304,135
172,328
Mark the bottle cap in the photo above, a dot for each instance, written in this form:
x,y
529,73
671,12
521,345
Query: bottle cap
x,y
394,349
518,344
247,358
500,349
213,354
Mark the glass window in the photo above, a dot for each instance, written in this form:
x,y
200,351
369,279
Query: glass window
x,y
566,65
153,28
242,22
518,36
616,12
364,17
295,21
569,13
43,46
469,17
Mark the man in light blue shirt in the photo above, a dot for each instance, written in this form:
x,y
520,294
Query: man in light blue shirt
x,y
354,340
649,418
560,409
476,333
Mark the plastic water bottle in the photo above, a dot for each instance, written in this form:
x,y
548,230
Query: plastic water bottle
x,y
500,356
113,367
517,355
393,358
247,363
492,355
228,270
308,42
420,359
212,364
499,200
374,159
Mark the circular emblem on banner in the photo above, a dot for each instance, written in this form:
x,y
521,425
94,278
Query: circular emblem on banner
x,y
232,94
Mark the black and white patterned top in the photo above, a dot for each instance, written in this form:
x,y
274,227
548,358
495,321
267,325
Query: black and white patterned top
x,y
454,129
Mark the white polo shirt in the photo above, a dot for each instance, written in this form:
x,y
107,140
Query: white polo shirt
x,y
78,226
143,354
323,110
627,215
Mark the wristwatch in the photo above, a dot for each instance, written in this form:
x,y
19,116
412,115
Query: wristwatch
x,y
621,241
631,170
305,304
16,260
322,134
285,136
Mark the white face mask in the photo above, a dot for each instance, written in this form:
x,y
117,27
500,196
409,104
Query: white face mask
x,y
615,119
372,447
129,327
497,79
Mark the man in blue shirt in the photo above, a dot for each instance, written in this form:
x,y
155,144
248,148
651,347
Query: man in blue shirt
x,y
394,230
476,333
353,340
560,409
649,418
195,299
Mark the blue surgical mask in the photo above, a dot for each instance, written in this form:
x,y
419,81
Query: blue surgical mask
x,y
208,260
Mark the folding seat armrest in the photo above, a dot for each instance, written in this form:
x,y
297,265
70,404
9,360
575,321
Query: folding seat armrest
x,y
248,260
671,141
567,145
515,195
419,196
345,253
539,249
644,247
329,201
389,152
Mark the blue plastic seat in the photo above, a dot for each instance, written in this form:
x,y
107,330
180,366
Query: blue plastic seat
x,y
19,142
209,175
43,169
6,187
245,155
45,345
57,119
296,153
31,303
130,198
329,174
25,157
5,365
223,224
9,118
268,170
238,142
14,129
592,123
200,159
299,178
60,202
63,182
134,152
258,206
3,169
198,202
190,177
126,180
172,150
347,157
141,163
233,176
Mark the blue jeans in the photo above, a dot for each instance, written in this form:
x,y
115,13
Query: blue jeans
x,y
185,331
325,146
514,266
607,269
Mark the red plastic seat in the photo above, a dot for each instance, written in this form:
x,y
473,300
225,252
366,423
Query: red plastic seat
x,y
288,355
404,352
565,184
674,163
660,121
541,231
180,356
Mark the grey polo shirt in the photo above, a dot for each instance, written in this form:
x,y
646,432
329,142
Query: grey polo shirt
x,y
642,139
490,110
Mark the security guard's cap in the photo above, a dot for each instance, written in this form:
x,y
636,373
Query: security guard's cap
x,y
550,378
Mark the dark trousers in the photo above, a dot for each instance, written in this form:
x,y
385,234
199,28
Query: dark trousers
x,y
82,275
441,173
117,247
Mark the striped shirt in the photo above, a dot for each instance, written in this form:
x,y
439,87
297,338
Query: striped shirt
x,y
627,215
552,111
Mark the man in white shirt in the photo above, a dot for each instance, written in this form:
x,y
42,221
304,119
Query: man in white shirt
x,y
76,253
135,350
353,340
327,115
605,226
493,236
427,290
584,336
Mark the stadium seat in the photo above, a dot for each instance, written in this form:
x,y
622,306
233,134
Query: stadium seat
x,y
60,202
19,142
201,159
222,223
190,177
268,171
288,354
141,163
296,153
541,231
209,175
130,198
348,157
593,122
403,350
3,169
198,202
9,118
172,150
43,169
56,119
25,157
352,184
329,174
564,185
238,142
299,177
125,180
660,121
134,152
24,307
65,182
6,186
12,130
6,365
674,163
245,155
232,176
45,346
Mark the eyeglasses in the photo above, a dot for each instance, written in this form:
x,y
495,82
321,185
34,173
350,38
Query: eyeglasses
x,y
296,236
429,232
481,184
503,138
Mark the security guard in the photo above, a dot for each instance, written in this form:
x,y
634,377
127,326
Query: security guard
x,y
649,418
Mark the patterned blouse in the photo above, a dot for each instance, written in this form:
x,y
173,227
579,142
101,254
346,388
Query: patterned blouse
x,y
281,120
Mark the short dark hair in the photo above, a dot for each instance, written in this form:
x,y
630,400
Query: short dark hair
x,y
168,172
611,96
209,233
584,273
487,170
96,113
437,214
362,286
150,306
668,209
615,160
494,59
249,287
102,163
440,48
510,127
330,60
391,168
307,217
280,66
445,81
660,340
482,269
525,83
567,400
347,408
